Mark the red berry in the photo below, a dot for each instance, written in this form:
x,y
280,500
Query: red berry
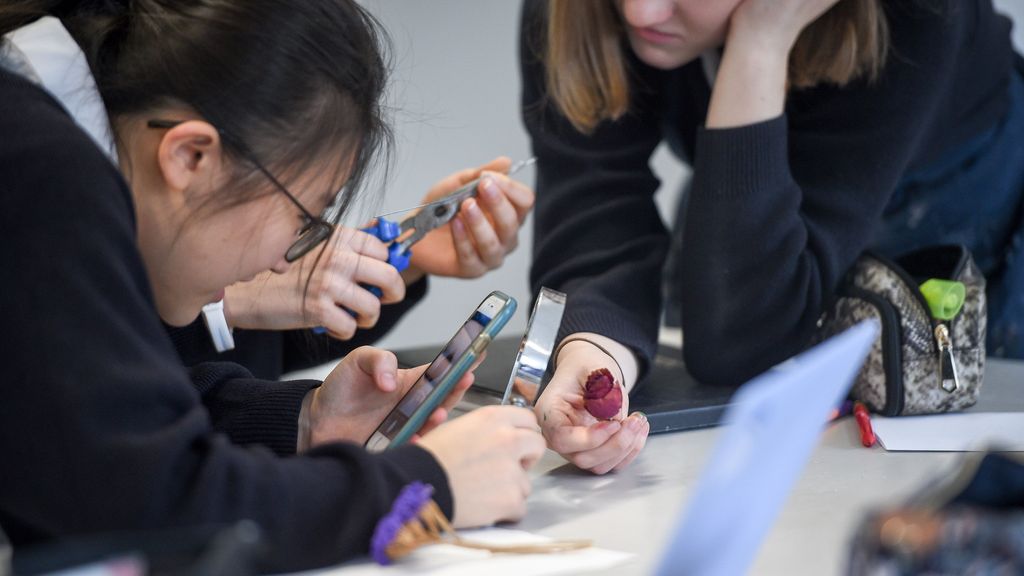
x,y
602,395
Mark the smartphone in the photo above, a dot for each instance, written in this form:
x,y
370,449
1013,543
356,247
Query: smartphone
x,y
444,372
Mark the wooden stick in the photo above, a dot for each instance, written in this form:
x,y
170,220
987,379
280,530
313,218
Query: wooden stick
x,y
432,527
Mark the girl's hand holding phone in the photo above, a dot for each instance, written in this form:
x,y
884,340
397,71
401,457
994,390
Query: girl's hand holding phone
x,y
280,301
359,393
486,454
599,446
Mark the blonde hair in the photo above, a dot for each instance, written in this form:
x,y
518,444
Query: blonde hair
x,y
586,63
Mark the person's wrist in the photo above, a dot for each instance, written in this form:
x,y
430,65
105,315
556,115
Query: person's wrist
x,y
229,310
624,358
581,354
763,51
750,86
237,308
259,304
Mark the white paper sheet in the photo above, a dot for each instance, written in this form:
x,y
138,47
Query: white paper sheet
x,y
968,432
447,560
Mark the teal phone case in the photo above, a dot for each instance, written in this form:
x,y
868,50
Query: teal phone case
x,y
459,368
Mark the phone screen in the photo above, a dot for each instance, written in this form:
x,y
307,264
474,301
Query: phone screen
x,y
452,351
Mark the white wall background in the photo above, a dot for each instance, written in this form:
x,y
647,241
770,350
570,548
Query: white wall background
x,y
456,85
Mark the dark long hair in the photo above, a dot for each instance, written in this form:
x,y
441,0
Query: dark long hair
x,y
293,83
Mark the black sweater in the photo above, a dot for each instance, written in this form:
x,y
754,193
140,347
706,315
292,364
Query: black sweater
x,y
101,429
777,211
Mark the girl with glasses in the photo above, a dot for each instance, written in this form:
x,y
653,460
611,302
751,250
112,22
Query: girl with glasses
x,y
235,121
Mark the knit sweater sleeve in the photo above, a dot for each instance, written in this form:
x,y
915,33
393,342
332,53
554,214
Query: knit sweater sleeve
x,y
779,210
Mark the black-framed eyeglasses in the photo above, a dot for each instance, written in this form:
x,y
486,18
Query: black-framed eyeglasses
x,y
315,230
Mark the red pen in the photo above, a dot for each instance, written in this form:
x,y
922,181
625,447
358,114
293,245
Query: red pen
x,y
867,435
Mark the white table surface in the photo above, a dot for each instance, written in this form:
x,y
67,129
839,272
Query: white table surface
x,y
635,510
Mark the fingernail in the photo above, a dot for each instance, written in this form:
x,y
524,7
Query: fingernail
x,y
388,379
490,188
640,415
472,208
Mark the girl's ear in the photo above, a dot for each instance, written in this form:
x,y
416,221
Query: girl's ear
x,y
190,157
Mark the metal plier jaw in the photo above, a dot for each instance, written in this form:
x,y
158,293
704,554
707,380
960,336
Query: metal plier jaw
x,y
401,236
412,229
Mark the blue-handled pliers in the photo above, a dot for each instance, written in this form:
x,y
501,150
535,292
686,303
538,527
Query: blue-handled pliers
x,y
400,236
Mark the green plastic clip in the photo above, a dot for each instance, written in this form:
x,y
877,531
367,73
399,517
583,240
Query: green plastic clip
x,y
944,297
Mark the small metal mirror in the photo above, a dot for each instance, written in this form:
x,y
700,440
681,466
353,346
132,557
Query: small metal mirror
x,y
535,349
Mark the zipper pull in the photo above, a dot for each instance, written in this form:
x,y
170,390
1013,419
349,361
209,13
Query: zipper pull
x,y
947,363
